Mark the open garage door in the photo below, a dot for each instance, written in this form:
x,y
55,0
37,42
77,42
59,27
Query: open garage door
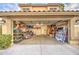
x,y
27,30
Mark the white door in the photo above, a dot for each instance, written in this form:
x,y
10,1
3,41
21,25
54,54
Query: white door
x,y
44,30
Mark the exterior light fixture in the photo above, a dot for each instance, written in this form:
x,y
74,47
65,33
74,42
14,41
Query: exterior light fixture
x,y
77,23
2,21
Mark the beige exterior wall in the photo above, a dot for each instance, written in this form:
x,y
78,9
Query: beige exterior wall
x,y
53,7
26,7
35,8
39,8
72,27
73,32
77,32
7,27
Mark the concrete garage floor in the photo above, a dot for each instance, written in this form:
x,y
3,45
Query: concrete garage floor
x,y
40,40
41,46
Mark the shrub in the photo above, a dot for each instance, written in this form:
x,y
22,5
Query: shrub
x,y
5,41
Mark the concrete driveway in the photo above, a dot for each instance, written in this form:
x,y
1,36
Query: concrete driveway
x,y
41,46
41,50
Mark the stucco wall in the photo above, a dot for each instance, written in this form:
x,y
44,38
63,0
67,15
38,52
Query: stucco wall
x,y
54,7
39,8
7,27
77,31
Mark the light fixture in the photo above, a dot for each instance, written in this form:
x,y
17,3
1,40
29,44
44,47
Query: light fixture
x,y
77,23
2,21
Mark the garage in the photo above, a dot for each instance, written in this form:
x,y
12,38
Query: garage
x,y
41,31
40,23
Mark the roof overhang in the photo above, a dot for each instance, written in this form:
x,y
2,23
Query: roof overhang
x,y
33,13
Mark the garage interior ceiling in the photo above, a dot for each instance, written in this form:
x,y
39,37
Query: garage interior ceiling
x,y
41,20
